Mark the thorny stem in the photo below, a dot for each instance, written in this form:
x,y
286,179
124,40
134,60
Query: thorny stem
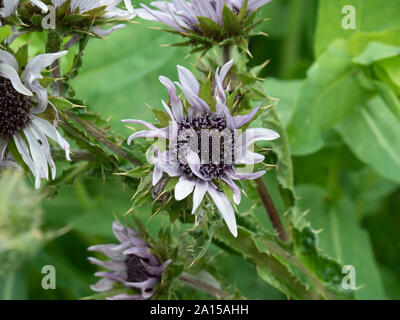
x,y
76,155
100,136
53,45
270,207
199,284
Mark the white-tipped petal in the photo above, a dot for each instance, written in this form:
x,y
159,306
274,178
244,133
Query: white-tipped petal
x,y
199,193
225,207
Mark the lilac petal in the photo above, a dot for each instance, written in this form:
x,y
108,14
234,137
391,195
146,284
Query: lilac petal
x,y
256,134
143,253
224,206
104,33
38,157
164,164
26,157
199,105
147,284
236,190
112,265
245,176
114,276
49,130
41,5
159,133
194,164
176,103
248,157
38,63
219,80
122,233
222,109
103,285
199,193
156,270
45,147
108,250
8,58
241,120
184,187
141,122
163,17
157,174
188,80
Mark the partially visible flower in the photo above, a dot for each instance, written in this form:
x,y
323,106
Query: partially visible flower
x,y
10,6
22,102
131,264
183,16
203,166
112,12
87,9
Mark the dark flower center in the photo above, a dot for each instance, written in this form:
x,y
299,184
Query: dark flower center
x,y
14,109
136,270
215,144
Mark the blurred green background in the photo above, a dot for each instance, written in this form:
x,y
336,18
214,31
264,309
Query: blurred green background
x,y
346,176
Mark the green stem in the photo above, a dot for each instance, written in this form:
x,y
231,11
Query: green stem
x,y
271,209
54,45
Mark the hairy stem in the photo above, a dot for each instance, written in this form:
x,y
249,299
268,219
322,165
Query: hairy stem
x,y
102,138
271,209
53,45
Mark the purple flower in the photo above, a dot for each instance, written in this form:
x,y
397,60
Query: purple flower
x,y
202,167
131,264
181,15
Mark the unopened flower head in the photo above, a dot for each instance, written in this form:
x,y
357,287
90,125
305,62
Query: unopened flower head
x,y
208,18
111,11
11,6
205,144
23,130
131,264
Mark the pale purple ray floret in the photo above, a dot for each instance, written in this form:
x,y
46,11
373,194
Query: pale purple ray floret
x,y
183,159
181,15
112,12
131,264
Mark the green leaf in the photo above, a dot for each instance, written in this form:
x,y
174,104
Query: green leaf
x,y
287,92
209,27
62,103
376,51
329,94
231,21
342,238
22,56
373,134
371,15
278,264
